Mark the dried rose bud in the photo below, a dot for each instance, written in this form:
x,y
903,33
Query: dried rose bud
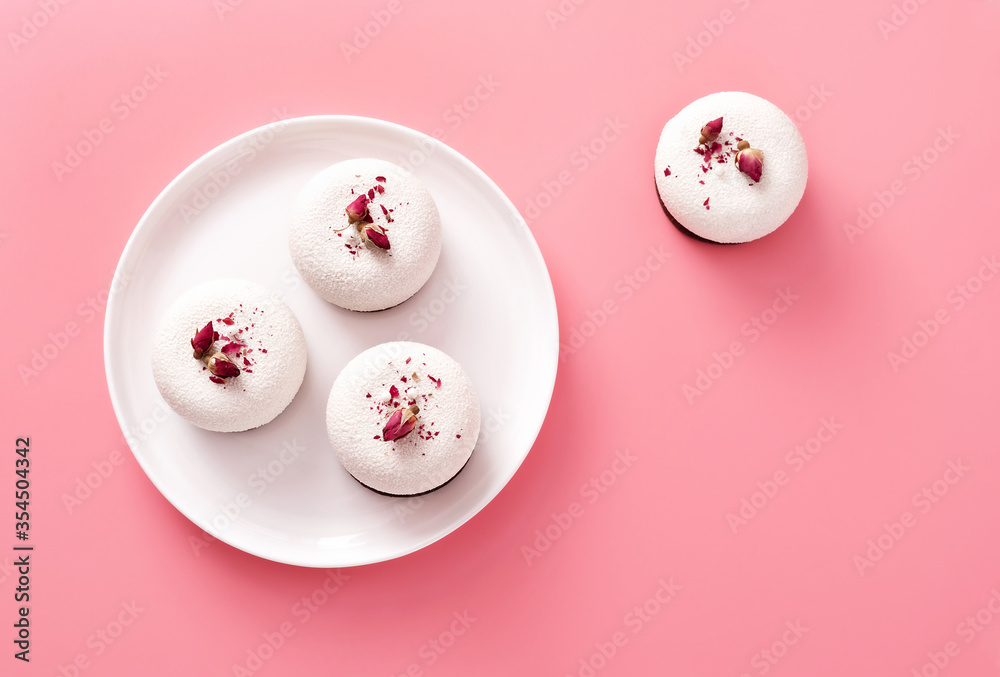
x,y
220,366
711,131
375,235
358,210
750,161
402,421
203,340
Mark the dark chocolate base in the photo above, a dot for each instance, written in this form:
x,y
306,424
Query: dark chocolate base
x,y
380,309
422,493
677,224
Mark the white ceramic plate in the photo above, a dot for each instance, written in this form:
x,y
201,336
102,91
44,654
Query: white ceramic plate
x,y
278,491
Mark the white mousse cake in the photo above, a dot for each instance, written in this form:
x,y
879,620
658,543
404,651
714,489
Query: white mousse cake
x,y
403,418
730,167
365,234
229,355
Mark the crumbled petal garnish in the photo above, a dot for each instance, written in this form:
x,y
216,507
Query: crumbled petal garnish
x,y
710,132
666,172
401,423
231,348
375,235
357,210
228,321
706,202
712,152
437,381
380,189
203,340
403,379
371,193
750,161
408,359
380,179
215,379
393,391
459,436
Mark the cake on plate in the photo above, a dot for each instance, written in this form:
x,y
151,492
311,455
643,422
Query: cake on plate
x,y
365,234
228,355
403,418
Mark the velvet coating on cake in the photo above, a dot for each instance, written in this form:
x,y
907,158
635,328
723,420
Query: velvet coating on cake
x,y
403,418
365,234
730,167
228,355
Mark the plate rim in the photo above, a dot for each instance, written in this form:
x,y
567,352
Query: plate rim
x,y
143,230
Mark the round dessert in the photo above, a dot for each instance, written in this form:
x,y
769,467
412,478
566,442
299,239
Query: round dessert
x,y
229,355
365,234
731,167
403,418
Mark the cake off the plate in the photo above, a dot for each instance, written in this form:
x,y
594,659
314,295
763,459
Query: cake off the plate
x,y
730,167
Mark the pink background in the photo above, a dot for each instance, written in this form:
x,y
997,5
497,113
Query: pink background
x,y
868,99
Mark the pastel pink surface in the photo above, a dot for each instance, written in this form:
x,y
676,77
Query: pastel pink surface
x,y
563,111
